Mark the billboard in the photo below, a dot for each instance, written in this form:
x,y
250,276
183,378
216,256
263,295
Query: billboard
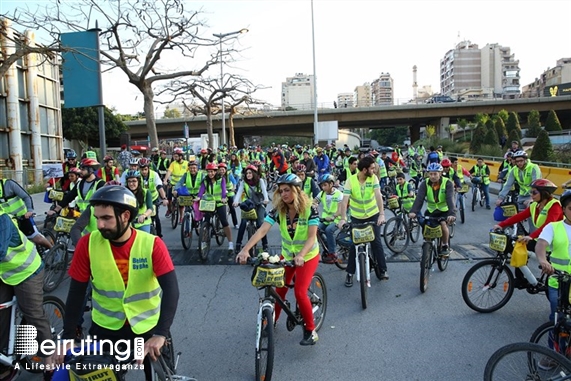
x,y
557,90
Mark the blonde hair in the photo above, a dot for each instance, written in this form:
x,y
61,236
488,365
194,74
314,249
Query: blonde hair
x,y
301,201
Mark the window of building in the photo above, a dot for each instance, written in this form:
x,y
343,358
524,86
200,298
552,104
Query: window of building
x,y
26,147
4,144
24,119
49,148
3,114
22,89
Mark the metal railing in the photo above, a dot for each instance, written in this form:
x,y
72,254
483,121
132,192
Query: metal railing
x,y
500,159
27,177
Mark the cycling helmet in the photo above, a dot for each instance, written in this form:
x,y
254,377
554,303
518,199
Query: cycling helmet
x,y
275,149
300,168
89,163
135,152
374,153
116,196
194,162
327,178
134,161
446,163
108,158
508,154
75,171
297,146
565,198
203,151
177,151
252,167
71,155
434,167
222,165
289,179
163,151
144,162
257,163
544,184
132,174
156,149
211,167
520,153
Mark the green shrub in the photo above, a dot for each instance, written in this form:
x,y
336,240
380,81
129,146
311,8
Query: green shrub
x,y
552,123
490,150
533,124
478,138
514,135
500,127
542,149
513,124
491,137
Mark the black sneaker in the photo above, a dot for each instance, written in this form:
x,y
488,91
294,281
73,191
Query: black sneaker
x,y
309,338
349,280
445,251
238,247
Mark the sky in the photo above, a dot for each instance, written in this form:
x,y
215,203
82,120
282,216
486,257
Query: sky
x,y
357,40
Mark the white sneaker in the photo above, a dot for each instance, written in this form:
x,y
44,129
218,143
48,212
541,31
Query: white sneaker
x,y
230,246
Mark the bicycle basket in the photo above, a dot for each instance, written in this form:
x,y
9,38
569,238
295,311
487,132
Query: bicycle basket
x,y
509,210
393,203
272,275
93,367
392,173
363,235
207,206
55,195
250,214
498,242
465,188
432,232
185,200
63,224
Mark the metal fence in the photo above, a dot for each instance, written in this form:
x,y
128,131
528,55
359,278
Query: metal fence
x,y
26,177
500,159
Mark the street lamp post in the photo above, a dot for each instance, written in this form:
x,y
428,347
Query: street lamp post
x,y
220,36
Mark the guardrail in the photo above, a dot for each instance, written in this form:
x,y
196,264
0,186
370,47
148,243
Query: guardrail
x,y
500,159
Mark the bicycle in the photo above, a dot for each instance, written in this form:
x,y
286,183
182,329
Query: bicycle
x,y
56,259
478,195
342,253
490,284
431,248
265,277
210,226
524,361
399,230
174,212
54,310
251,218
189,226
460,203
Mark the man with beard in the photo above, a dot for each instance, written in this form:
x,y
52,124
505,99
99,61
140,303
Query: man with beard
x,y
523,174
135,289
177,168
366,206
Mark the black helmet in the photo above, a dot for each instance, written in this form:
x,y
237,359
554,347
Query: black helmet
x,y
116,196
289,179
565,198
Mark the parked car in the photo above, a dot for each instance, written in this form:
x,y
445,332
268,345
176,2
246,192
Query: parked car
x,y
384,149
440,99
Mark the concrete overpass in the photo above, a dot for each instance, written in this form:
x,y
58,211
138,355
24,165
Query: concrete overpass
x,y
300,123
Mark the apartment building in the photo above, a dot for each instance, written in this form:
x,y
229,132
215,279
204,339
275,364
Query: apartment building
x,y
345,100
298,92
552,82
382,90
500,71
460,69
362,96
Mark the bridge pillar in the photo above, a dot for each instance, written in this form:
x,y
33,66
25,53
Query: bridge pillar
x,y
442,128
414,131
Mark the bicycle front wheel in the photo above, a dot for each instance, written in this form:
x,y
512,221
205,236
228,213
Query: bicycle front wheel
x,y
186,231
250,231
557,340
363,279
218,231
174,215
317,293
265,347
396,235
414,230
204,240
487,286
342,257
425,266
474,199
55,266
461,202
527,361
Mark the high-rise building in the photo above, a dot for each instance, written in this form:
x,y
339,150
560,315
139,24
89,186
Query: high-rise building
x,y
297,92
363,96
552,82
382,90
460,69
345,100
500,71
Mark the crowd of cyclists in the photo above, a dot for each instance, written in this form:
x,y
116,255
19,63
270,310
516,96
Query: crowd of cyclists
x,y
311,188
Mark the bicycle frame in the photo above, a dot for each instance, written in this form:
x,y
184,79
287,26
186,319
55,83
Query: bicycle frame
x,y
364,248
9,358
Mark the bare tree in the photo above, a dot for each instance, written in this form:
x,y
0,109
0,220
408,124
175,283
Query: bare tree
x,y
135,35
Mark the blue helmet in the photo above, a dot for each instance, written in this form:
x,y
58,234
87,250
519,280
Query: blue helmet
x,y
565,198
132,174
289,179
71,155
434,167
327,178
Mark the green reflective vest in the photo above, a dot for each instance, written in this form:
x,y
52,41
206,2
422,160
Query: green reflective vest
x,y
382,168
91,155
213,190
559,259
92,226
20,262
150,184
292,246
142,209
82,201
405,199
431,203
542,216
113,303
329,209
193,187
524,177
362,197
14,205
104,174
481,172
307,187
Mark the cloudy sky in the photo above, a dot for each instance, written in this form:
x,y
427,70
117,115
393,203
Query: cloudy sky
x,y
357,40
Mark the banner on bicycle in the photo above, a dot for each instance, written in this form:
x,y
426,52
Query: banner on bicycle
x,y
498,242
432,232
268,275
363,235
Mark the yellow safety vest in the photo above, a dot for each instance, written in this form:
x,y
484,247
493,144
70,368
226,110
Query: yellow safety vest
x,y
20,262
481,172
142,209
331,209
405,199
104,174
213,190
92,226
193,188
177,170
13,206
113,303
292,246
83,201
523,178
149,184
431,203
559,259
363,203
307,187
543,214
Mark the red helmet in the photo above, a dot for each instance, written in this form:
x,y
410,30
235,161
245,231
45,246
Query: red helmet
x,y
222,165
107,158
300,168
75,171
89,163
178,151
211,167
144,162
544,184
252,167
446,163
203,151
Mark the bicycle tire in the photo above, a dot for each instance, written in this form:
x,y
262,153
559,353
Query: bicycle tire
x,y
317,293
480,296
218,231
414,230
561,344
186,231
55,266
163,369
425,266
482,198
250,231
342,257
54,310
451,230
441,261
363,279
49,235
174,215
396,235
204,240
521,361
265,347
474,201
462,216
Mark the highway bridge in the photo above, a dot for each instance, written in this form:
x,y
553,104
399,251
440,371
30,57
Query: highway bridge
x,y
415,116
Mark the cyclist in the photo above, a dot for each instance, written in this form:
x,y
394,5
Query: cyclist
x,y
144,201
364,192
215,188
432,157
15,201
438,192
347,172
405,192
480,174
279,162
524,173
556,235
152,181
177,168
108,172
64,183
253,188
297,220
231,183
458,169
162,164
307,160
329,197
133,166
308,184
321,161
415,170
543,210
21,274
506,165
188,185
135,290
